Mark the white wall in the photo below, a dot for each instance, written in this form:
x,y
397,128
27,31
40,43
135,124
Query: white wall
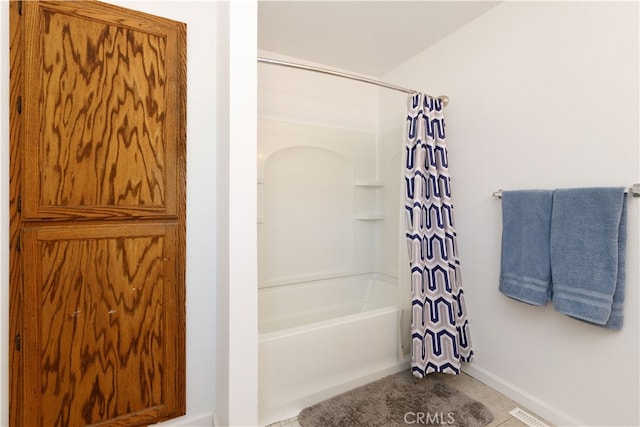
x,y
301,96
200,17
236,399
543,95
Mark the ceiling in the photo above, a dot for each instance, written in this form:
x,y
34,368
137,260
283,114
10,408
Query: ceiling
x,y
367,37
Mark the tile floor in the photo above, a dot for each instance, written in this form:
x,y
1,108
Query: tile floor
x,y
497,403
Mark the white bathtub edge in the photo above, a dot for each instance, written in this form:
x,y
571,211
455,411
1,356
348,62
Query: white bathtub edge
x,y
206,419
314,398
268,336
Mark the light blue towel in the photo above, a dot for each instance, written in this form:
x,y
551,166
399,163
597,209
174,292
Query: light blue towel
x,y
525,269
616,319
587,248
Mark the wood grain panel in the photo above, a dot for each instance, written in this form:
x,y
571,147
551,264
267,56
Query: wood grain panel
x,y
111,151
97,264
105,98
106,305
16,59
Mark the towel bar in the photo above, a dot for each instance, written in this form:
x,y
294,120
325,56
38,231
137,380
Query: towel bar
x,y
634,190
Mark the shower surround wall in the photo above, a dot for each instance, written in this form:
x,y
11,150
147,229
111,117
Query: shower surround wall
x,y
328,222
543,95
317,213
328,180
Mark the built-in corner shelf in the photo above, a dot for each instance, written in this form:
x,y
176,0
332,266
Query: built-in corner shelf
x,y
260,190
368,183
369,216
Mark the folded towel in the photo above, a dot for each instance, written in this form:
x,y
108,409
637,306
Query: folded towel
x,y
587,248
525,270
616,319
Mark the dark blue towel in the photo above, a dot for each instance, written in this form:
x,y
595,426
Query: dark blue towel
x,y
525,269
587,249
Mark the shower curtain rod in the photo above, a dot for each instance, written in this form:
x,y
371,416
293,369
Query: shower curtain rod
x,y
443,98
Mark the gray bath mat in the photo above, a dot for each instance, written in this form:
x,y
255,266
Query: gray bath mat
x,y
398,400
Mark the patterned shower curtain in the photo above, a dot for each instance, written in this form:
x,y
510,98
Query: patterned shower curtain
x,y
440,338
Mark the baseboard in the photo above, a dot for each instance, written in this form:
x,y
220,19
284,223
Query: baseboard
x,y
214,420
531,402
200,420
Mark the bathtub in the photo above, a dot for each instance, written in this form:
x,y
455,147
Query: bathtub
x,y
321,338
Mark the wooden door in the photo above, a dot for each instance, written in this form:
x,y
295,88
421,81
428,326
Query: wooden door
x,y
97,215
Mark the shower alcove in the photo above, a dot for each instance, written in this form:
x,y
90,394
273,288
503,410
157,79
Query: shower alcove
x,y
329,182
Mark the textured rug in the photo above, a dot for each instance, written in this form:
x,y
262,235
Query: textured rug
x,y
399,400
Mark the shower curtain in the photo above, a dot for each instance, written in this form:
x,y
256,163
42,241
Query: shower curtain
x,y
440,338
